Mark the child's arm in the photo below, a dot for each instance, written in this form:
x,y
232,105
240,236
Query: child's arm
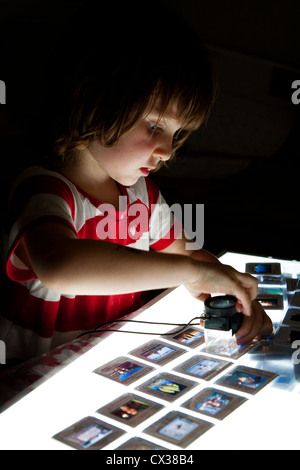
x,y
256,324
90,267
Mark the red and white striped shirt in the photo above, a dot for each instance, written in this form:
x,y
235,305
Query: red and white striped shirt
x,y
36,319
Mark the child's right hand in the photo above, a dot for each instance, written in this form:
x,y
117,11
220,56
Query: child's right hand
x,y
213,278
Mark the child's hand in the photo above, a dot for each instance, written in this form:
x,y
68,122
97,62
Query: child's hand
x,y
223,279
258,324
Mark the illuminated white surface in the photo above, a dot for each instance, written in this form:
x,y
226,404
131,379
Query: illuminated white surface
x,y
268,420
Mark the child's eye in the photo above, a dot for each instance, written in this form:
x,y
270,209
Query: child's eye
x,y
153,127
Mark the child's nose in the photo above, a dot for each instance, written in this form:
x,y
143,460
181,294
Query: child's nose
x,y
161,155
163,152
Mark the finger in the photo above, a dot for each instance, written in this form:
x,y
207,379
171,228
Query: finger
x,y
243,300
249,283
245,289
247,331
267,327
203,297
259,324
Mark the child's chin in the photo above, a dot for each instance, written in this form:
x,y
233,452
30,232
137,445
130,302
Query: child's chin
x,y
129,181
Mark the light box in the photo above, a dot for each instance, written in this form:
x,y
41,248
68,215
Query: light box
x,y
190,400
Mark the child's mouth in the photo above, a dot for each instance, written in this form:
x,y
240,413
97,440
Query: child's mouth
x,y
145,171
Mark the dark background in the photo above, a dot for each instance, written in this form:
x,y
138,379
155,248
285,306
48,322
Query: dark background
x,y
243,165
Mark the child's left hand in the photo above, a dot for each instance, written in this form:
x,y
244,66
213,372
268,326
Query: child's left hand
x,y
258,324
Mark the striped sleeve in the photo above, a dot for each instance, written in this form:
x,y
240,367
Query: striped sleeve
x,y
36,199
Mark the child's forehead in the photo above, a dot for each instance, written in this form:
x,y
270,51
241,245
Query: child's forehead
x,y
172,109
169,116
166,113
158,112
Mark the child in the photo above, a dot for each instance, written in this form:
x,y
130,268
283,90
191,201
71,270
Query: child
x,y
129,94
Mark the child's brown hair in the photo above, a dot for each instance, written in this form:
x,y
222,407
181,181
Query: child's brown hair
x,y
125,59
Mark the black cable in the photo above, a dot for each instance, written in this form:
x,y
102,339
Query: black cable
x,y
99,328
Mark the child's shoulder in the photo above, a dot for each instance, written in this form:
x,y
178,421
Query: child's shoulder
x,y
35,180
38,172
38,176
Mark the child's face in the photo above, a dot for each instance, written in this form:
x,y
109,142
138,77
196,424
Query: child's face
x,y
137,152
